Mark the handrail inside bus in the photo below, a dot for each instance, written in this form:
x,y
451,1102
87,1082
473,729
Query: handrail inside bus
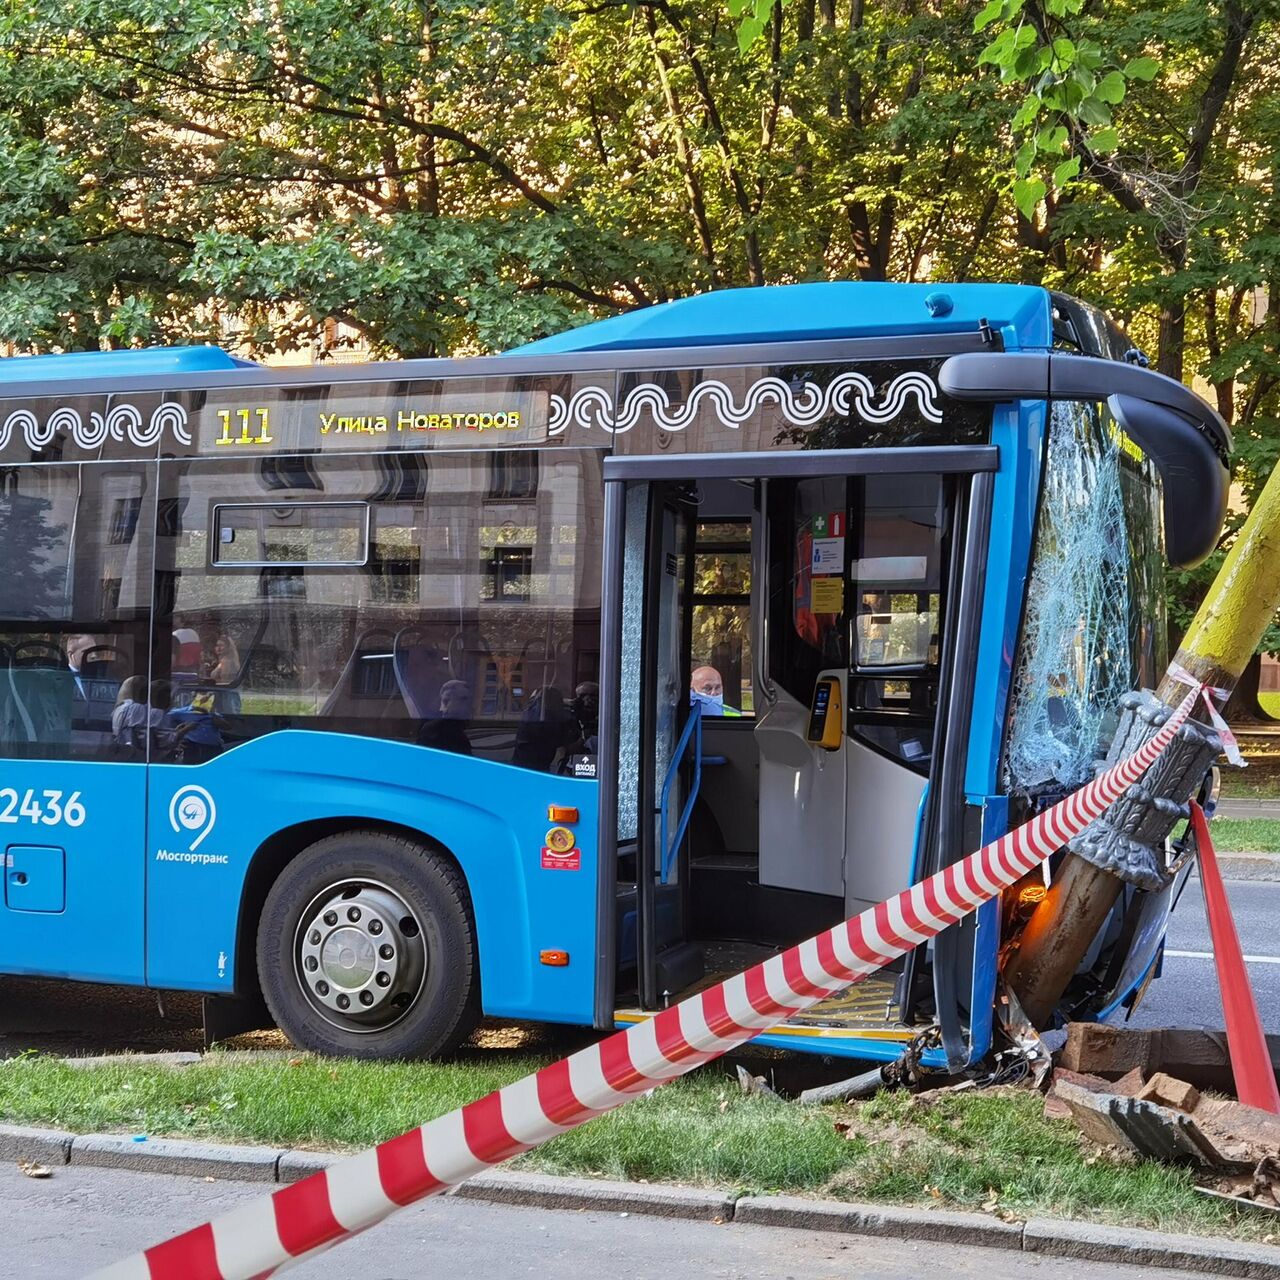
x,y
760,596
692,729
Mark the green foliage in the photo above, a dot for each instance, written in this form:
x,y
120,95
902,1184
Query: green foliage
x,y
1065,63
435,176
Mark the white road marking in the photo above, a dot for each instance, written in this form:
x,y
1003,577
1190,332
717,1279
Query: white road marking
x,y
1208,955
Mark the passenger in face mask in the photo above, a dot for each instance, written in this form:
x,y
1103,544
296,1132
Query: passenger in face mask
x,y
706,692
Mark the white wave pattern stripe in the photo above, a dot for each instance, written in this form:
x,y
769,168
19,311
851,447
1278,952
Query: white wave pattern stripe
x,y
172,417
804,405
19,420
121,421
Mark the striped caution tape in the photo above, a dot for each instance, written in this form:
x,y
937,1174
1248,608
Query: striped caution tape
x,y
349,1197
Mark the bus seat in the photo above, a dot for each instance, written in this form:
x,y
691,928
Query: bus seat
x,y
421,672
39,653
35,701
104,662
367,675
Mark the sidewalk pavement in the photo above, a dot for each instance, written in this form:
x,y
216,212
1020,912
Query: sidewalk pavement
x,y
1089,1241
1247,807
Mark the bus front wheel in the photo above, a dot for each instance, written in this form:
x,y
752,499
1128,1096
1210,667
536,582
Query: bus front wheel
x,y
365,949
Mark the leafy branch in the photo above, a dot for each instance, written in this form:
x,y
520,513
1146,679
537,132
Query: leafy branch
x,y
1072,87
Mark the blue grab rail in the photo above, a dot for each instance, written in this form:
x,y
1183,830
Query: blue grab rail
x,y
692,729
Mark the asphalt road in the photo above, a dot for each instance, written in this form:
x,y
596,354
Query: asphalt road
x,y
82,1219
1186,993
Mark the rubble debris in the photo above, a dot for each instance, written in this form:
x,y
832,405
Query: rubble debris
x,y
1166,1119
1170,1092
1250,1131
1198,1057
750,1084
1144,1128
1056,1109
1258,1189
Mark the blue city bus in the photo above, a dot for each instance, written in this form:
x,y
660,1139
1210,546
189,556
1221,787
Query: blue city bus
x,y
368,700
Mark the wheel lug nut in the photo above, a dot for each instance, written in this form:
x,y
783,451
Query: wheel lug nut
x,y
353,914
322,988
331,917
312,964
314,937
375,927
383,980
366,997
386,951
344,1002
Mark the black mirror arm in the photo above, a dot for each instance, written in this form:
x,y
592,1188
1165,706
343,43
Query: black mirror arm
x,y
1059,375
1185,437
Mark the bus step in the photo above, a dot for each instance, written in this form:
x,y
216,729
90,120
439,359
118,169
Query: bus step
x,y
680,967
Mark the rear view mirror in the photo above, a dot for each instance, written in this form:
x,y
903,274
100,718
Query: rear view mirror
x,y
1184,436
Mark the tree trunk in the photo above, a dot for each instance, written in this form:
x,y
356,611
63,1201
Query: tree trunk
x,y
1173,339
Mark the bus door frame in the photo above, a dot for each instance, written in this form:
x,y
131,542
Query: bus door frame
x,y
951,827
980,462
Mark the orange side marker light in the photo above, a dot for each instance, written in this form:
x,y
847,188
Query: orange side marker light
x,y
561,813
556,959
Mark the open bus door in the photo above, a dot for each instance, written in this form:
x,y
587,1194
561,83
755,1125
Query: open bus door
x,y
829,772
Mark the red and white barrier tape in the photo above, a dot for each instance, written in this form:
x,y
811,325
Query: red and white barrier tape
x,y
311,1215
1230,747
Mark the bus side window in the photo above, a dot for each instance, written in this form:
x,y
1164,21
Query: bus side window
x,y
450,601
75,557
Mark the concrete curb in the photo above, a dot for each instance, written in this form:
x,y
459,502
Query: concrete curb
x,y
1249,866
653,1199
1049,1237
1096,1243
941,1225
173,1155
45,1146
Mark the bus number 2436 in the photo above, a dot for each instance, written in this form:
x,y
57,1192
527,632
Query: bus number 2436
x,y
55,811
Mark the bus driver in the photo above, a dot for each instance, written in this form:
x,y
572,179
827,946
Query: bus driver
x,y
706,692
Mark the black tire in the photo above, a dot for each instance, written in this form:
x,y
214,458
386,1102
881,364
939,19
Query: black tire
x,y
429,1001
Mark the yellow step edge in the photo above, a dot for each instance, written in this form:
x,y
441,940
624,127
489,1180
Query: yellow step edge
x,y
628,1018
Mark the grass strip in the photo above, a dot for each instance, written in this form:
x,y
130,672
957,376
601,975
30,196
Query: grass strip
x,y
1246,835
988,1150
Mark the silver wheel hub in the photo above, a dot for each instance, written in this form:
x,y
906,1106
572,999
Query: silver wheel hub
x,y
359,955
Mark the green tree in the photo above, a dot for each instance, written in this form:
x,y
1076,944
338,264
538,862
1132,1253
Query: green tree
x,y
446,176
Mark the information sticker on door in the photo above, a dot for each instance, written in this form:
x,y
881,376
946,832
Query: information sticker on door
x,y
828,556
554,860
827,595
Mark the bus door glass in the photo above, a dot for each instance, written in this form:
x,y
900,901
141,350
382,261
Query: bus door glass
x,y
855,584
858,585
654,711
803,781
76,716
